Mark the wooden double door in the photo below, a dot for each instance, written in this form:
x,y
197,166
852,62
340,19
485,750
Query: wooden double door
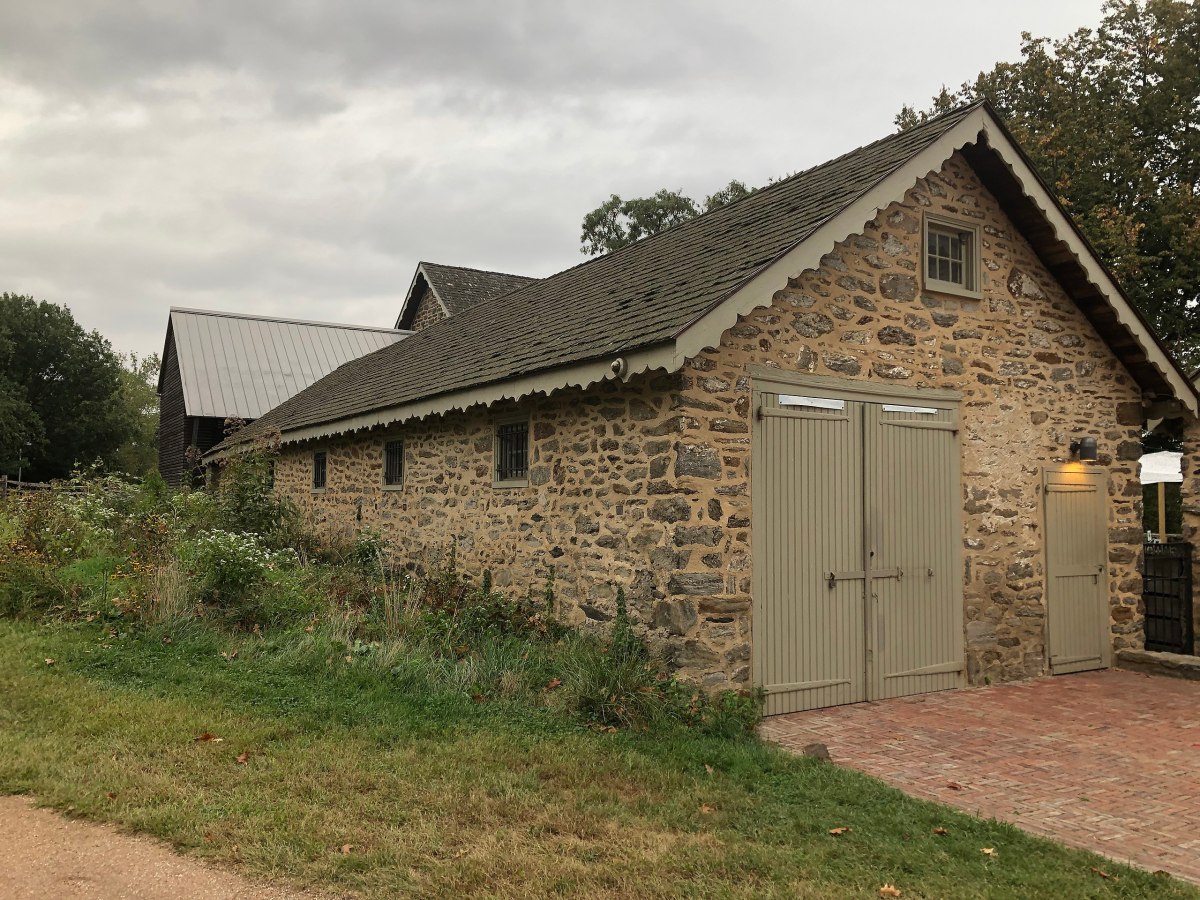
x,y
857,543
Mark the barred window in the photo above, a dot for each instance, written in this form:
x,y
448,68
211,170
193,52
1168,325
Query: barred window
x,y
393,462
318,471
512,451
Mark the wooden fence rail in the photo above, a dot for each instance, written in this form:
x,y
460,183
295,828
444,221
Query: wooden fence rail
x,y
12,486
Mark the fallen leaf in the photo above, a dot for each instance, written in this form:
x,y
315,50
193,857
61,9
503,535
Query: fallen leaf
x,y
706,808
208,837
940,830
243,758
553,683
988,851
841,830
459,854
954,786
349,659
111,796
479,698
207,737
889,890
708,768
51,662
167,639
232,654
1104,874
346,848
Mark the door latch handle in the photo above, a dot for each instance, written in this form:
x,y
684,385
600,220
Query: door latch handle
x,y
832,579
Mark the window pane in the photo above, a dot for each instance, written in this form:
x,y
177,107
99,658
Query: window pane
x,y
943,245
956,274
318,478
956,248
943,270
932,266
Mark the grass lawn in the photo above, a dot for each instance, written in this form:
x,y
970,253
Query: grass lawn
x,y
442,796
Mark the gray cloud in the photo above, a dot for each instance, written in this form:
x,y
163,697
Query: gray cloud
x,y
300,157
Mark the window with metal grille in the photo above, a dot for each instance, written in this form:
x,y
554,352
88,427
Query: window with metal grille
x,y
318,471
512,451
393,462
951,257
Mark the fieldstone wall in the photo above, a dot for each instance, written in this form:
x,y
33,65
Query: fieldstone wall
x,y
1033,373
1191,511
429,311
609,503
647,485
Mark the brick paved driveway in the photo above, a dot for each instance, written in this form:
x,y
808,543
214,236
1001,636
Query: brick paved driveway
x,y
1107,761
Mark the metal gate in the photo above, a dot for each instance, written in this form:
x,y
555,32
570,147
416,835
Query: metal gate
x,y
857,541
1078,635
1167,597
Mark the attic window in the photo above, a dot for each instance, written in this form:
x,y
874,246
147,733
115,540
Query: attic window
x,y
512,452
951,257
318,480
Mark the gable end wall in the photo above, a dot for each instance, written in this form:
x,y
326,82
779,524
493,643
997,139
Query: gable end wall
x,y
1033,373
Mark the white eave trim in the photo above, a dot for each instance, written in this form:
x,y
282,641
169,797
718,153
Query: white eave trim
x,y
758,292
582,375
408,298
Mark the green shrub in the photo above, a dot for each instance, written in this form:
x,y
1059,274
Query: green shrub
x,y
231,574
246,501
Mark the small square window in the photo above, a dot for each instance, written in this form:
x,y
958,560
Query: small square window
x,y
318,480
393,463
512,452
951,257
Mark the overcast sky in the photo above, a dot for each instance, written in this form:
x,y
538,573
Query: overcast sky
x,y
298,158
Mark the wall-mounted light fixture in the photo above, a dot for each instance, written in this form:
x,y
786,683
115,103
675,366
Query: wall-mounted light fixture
x,y
1084,449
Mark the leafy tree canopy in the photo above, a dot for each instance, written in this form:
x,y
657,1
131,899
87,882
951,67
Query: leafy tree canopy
x,y
138,399
1111,119
617,223
60,391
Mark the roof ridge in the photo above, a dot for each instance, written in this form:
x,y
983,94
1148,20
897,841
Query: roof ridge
x,y
772,186
284,320
426,262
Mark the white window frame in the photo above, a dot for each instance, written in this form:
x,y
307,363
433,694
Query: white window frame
x,y
972,258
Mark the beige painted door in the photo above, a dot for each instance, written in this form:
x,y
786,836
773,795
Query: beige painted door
x,y
809,627
914,515
857,531
1077,631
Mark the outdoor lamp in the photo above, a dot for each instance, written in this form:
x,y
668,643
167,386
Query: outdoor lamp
x,y
1084,448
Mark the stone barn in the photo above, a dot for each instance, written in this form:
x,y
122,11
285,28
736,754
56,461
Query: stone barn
x,y
870,431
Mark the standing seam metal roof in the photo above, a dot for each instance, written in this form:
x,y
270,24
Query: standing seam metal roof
x,y
239,366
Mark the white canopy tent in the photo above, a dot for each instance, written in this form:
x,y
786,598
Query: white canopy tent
x,y
1162,468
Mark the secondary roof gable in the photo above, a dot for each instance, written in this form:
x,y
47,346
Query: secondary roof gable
x,y
455,288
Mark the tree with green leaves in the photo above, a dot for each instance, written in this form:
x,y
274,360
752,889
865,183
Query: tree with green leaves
x,y
617,223
60,391
1111,119
138,398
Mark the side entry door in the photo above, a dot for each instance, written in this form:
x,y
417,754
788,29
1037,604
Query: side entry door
x,y
1077,616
